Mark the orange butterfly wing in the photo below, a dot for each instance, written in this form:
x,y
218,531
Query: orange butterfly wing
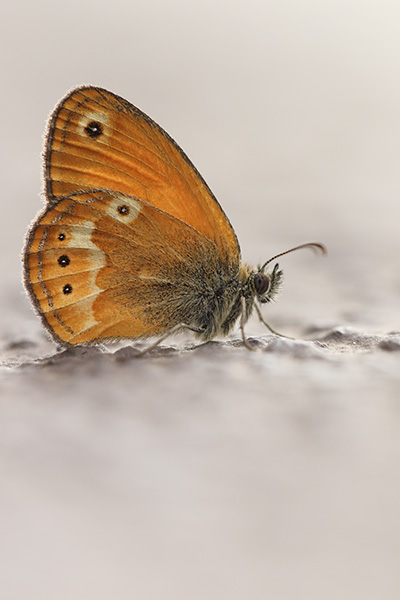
x,y
97,139
132,241
103,266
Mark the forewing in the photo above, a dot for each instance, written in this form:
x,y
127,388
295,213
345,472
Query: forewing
x,y
98,140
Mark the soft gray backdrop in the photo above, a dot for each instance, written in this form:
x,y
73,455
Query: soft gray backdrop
x,y
219,473
289,110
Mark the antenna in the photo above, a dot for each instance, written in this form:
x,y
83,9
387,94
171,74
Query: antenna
x,y
313,245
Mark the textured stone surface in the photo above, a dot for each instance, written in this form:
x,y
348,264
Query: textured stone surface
x,y
199,467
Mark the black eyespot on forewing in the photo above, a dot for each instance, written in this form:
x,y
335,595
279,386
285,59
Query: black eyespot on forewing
x,y
94,129
67,289
123,210
61,237
261,283
63,260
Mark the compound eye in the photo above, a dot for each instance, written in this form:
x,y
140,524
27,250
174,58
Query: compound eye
x,y
261,283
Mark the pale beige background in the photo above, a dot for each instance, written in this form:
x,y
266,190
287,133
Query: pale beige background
x,y
289,110
216,473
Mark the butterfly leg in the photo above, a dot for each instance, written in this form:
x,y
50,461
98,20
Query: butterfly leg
x,y
269,326
175,329
242,323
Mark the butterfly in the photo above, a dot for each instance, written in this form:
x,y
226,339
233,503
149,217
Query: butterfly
x,y
132,243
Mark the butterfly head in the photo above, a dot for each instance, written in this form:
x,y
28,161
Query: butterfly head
x,y
264,285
